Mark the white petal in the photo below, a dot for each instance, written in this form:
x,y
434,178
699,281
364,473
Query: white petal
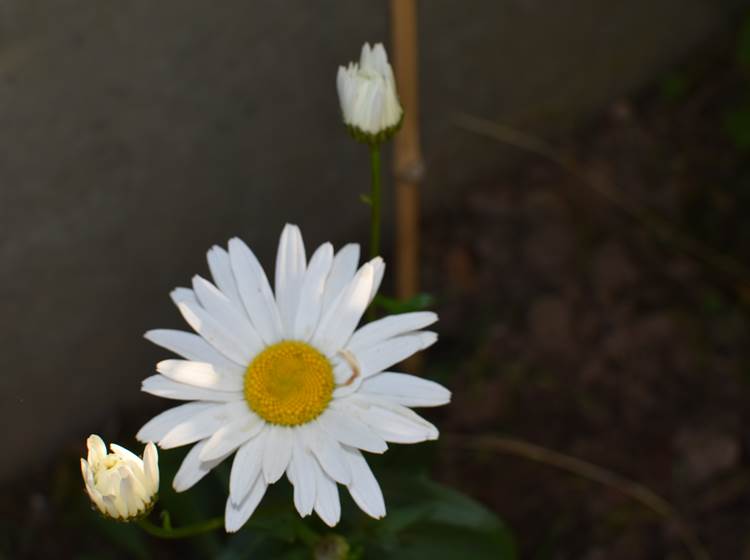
x,y
156,428
127,455
193,469
351,431
345,368
290,270
151,467
365,57
232,318
342,86
201,374
375,359
406,390
378,270
277,452
221,271
311,292
232,435
190,346
182,294
115,507
246,466
86,472
378,58
301,473
140,485
235,516
340,320
327,504
203,424
326,450
129,496
216,334
364,488
389,327
255,292
342,271
162,387
392,422
97,449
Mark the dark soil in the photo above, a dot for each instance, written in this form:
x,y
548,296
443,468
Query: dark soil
x,y
588,330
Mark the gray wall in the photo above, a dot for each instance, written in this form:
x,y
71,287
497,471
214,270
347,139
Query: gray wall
x,y
136,134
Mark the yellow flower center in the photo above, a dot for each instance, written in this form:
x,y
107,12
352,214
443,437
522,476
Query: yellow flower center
x,y
289,383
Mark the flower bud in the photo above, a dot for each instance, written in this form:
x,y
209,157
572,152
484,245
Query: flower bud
x,y
367,93
121,485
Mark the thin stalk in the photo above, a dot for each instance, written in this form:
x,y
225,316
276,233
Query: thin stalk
x,y
375,202
181,532
595,473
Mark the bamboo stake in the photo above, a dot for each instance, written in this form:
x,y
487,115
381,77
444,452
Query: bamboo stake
x,y
408,166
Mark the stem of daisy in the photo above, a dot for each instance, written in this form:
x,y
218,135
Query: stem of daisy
x,y
181,532
375,200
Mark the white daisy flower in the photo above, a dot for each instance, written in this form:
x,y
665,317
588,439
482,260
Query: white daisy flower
x,y
367,93
288,382
121,485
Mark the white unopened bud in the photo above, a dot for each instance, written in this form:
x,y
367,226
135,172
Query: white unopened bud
x,y
367,93
121,485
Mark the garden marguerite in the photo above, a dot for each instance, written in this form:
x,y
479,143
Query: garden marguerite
x,y
286,382
368,97
120,484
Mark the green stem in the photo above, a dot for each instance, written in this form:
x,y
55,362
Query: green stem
x,y
181,532
375,201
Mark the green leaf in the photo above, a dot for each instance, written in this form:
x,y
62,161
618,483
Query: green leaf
x,y
441,542
440,523
419,302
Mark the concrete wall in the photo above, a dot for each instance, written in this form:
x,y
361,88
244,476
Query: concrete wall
x,y
134,135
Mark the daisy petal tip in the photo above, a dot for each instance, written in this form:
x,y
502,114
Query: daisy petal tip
x,y
95,442
149,335
151,466
236,244
330,521
429,338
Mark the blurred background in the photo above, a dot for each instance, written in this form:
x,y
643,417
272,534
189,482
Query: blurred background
x,y
584,237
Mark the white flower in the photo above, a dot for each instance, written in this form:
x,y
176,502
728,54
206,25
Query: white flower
x,y
367,93
120,484
286,381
